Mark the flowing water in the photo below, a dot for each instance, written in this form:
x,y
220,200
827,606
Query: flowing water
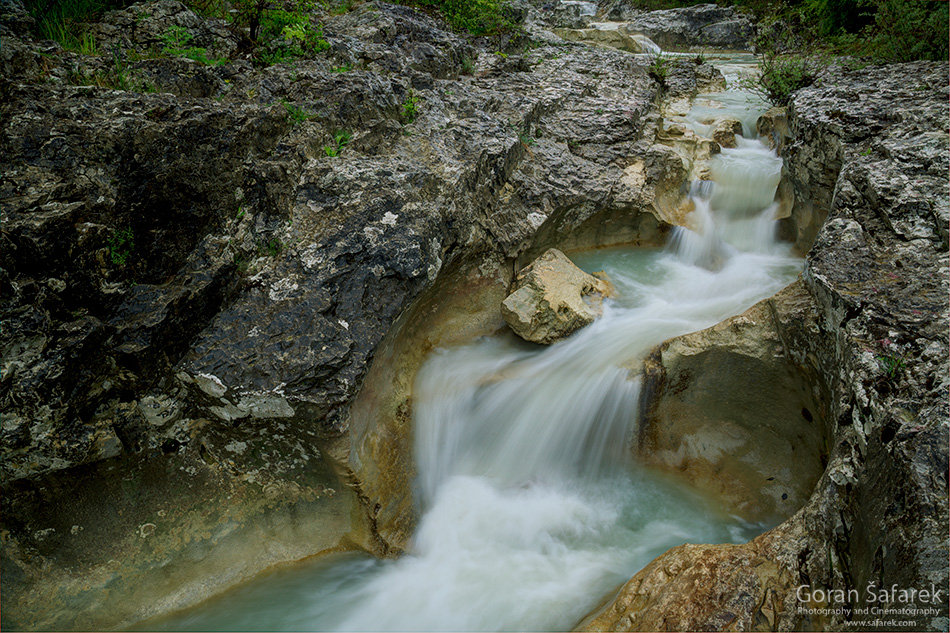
x,y
532,507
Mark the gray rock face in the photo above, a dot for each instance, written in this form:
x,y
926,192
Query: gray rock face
x,y
866,163
193,291
551,298
695,28
879,272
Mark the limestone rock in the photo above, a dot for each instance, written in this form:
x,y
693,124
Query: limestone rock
x,y
772,128
552,298
725,131
713,588
695,28
611,38
730,410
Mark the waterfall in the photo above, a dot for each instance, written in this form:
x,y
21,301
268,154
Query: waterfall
x,y
532,508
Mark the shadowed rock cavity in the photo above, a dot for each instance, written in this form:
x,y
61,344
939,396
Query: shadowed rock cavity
x,y
736,412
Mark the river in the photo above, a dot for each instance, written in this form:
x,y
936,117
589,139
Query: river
x,y
532,507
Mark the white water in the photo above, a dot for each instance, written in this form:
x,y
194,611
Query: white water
x,y
532,509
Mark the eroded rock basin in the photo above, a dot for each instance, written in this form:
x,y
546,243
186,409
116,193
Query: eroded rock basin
x,y
531,504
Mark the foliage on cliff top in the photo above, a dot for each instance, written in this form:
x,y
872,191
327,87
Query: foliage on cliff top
x,y
885,30
479,17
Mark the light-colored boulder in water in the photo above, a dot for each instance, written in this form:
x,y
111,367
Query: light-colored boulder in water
x,y
552,298
725,131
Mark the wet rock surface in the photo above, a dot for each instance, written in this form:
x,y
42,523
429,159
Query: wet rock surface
x,y
866,149
551,298
193,290
689,28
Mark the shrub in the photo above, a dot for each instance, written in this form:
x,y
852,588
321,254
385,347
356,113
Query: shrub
x,y
781,75
906,30
479,17
410,107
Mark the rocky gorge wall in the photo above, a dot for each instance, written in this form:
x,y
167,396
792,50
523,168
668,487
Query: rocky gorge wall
x,y
231,387
194,290
866,161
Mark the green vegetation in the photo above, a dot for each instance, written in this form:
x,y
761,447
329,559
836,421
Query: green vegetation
x,y
781,75
884,30
272,247
295,114
659,68
479,17
121,245
117,77
891,365
340,139
60,20
410,107
176,44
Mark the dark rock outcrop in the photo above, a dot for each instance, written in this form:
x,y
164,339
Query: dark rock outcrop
x,y
193,289
690,28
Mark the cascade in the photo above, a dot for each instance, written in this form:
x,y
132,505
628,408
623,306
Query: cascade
x,y
531,506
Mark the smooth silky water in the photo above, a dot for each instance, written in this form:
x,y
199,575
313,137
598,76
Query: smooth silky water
x,y
532,508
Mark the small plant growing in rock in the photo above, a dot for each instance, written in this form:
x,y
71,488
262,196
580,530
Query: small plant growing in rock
x,y
410,107
659,68
177,41
340,139
295,114
784,74
468,66
891,365
121,245
345,68
272,247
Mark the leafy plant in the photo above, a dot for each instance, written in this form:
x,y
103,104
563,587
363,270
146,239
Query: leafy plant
x,y
340,139
295,114
177,41
659,67
891,365
781,75
282,31
410,107
468,65
345,68
121,245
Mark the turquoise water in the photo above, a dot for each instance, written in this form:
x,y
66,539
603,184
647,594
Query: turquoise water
x,y
533,509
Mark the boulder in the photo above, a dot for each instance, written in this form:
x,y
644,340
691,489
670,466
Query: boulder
x,y
725,130
552,298
695,28
738,414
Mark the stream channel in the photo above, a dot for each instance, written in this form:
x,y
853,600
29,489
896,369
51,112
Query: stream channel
x,y
532,507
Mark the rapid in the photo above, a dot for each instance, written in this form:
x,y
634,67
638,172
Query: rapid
x,y
532,506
